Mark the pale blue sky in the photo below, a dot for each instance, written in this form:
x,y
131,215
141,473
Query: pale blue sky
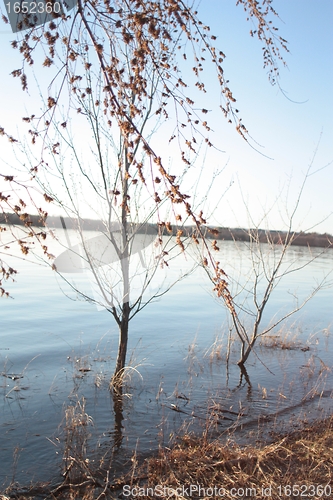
x,y
287,130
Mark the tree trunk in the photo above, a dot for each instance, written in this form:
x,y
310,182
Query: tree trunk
x,y
125,262
123,339
245,354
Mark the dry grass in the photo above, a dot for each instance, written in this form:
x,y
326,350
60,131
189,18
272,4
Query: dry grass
x,y
303,458
76,428
220,468
285,341
216,351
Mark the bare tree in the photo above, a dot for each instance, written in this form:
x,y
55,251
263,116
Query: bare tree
x,y
121,60
268,253
121,42
130,243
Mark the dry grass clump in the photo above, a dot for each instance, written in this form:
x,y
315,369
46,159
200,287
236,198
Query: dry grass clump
x,y
303,458
284,342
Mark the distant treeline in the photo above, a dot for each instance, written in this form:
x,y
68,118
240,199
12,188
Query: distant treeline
x,y
217,233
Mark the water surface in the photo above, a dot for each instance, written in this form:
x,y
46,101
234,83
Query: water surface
x,y
56,350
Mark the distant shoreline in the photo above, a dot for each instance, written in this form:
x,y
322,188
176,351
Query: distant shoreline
x,y
224,233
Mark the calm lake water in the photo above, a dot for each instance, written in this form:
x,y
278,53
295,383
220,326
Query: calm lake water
x,y
55,350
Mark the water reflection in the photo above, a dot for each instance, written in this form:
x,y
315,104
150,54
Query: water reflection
x,y
118,408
